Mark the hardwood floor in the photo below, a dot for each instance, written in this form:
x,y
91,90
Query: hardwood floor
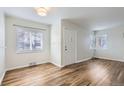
x,y
89,73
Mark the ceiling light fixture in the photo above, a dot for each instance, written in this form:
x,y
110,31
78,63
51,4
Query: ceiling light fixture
x,y
42,11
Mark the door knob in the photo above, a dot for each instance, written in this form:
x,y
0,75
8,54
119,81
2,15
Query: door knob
x,y
66,48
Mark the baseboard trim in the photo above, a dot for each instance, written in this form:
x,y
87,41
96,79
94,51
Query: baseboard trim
x,y
61,66
56,64
1,78
77,61
110,59
85,59
17,67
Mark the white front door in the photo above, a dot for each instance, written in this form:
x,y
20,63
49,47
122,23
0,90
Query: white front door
x,y
69,47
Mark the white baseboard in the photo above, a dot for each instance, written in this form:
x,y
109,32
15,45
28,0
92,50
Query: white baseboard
x,y
82,60
27,65
56,64
120,60
2,76
70,64
78,61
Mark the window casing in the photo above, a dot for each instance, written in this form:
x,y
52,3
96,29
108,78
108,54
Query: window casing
x,y
98,41
28,40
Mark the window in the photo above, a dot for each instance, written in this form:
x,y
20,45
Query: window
x,y
98,41
101,41
28,40
92,42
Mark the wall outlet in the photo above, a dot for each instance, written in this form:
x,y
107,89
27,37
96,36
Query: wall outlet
x,y
33,64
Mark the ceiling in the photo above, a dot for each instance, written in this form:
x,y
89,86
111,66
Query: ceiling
x,y
92,18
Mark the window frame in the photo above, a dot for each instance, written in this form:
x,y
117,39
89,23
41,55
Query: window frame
x,y
93,38
100,36
31,31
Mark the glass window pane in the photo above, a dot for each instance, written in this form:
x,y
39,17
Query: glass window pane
x,y
103,42
92,42
37,41
23,40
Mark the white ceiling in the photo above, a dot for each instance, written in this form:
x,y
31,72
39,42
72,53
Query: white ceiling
x,y
92,18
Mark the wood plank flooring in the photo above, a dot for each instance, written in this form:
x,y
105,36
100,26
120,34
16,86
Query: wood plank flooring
x,y
89,73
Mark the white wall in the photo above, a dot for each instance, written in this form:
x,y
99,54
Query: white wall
x,y
56,42
115,50
2,46
14,60
83,45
